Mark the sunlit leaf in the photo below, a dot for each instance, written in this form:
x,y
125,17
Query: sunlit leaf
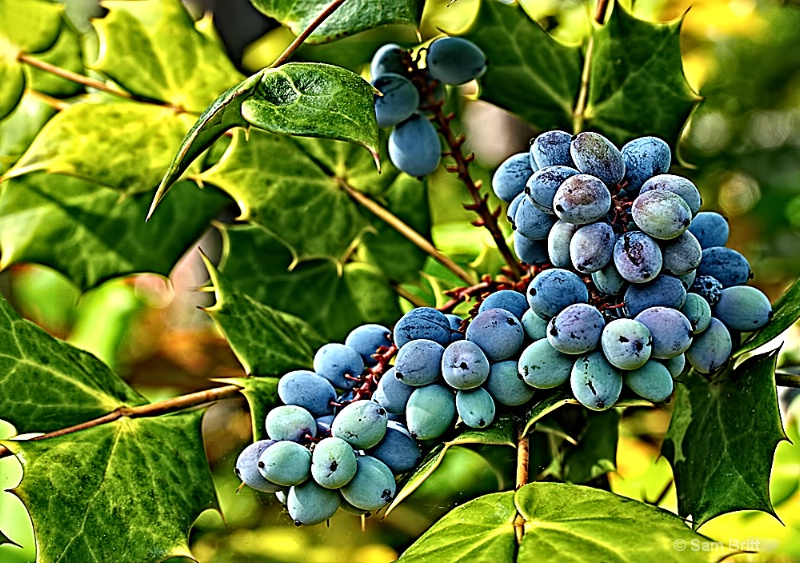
x,y
127,491
19,129
722,439
65,53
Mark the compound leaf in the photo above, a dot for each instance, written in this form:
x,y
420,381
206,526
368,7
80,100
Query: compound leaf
x,y
92,233
262,395
152,49
353,16
136,140
46,384
576,523
529,72
636,83
293,191
266,341
125,491
722,439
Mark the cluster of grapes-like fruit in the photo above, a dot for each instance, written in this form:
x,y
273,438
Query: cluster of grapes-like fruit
x,y
632,280
628,281
406,93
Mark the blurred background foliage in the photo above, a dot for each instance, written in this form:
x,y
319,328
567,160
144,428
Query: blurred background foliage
x,y
742,148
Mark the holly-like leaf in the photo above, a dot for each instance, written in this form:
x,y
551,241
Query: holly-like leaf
x,y
722,439
266,341
636,81
375,300
65,53
46,384
125,491
262,395
576,523
501,433
4,539
136,140
479,530
19,129
26,26
529,73
786,311
152,49
314,100
351,17
92,233
284,187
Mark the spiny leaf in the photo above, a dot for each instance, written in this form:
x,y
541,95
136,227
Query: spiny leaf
x,y
636,83
722,439
46,384
574,523
4,539
136,140
353,16
26,26
266,341
786,311
309,99
292,188
262,395
152,49
127,491
501,433
529,73
92,233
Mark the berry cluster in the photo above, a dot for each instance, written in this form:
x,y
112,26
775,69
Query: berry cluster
x,y
641,280
413,143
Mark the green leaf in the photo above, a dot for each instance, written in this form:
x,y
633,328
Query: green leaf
x,y
266,341
636,85
383,246
280,184
529,73
545,406
4,540
136,140
46,384
262,396
786,311
152,49
575,523
479,530
19,129
125,491
596,452
92,233
26,26
315,100
375,300
501,433
720,450
353,16
67,54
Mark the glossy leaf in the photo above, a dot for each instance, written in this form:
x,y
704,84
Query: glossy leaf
x,y
266,341
18,130
26,26
575,523
351,17
479,530
636,84
136,140
5,540
501,433
722,439
262,395
46,384
545,406
92,233
125,491
283,186
152,49
786,311
529,73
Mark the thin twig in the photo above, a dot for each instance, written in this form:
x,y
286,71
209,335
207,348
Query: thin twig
x,y
321,17
54,103
401,227
415,300
89,82
151,409
579,113
523,456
